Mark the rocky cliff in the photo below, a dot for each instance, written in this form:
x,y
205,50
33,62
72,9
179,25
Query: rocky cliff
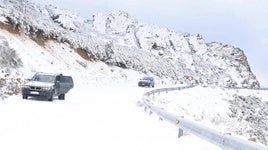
x,y
118,39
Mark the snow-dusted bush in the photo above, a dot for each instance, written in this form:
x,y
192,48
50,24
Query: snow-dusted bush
x,y
10,82
8,56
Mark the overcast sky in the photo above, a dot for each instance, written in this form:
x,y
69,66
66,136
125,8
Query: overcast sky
x,y
241,23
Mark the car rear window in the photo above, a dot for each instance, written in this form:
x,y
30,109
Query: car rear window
x,y
68,79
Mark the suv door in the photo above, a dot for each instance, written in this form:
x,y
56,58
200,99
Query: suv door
x,y
66,83
57,85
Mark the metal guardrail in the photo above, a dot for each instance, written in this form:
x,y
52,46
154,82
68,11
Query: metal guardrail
x,y
241,88
222,140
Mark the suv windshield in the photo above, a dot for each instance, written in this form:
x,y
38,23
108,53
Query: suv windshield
x,y
44,78
147,78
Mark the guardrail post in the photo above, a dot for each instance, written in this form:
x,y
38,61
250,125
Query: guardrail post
x,y
180,133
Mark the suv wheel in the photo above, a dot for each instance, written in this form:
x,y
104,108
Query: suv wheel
x,y
62,96
24,96
50,98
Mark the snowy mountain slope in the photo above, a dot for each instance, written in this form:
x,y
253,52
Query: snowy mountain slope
x,y
206,63
99,113
99,89
237,111
35,58
118,39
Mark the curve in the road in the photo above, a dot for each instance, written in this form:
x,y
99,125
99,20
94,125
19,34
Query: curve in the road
x,y
222,140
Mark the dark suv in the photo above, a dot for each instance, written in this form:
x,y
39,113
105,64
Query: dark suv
x,y
146,81
47,86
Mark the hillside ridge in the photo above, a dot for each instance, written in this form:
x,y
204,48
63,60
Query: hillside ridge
x,y
118,39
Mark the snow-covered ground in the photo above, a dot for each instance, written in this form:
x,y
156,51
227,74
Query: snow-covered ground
x,y
104,117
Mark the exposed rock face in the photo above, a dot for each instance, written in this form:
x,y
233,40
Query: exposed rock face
x,y
119,39
191,57
251,113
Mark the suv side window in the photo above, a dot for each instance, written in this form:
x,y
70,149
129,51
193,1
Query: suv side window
x,y
57,78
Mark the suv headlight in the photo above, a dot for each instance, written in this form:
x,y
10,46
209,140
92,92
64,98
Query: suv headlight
x,y
46,88
25,86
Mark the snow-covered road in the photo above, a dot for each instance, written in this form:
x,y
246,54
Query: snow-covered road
x,y
90,118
